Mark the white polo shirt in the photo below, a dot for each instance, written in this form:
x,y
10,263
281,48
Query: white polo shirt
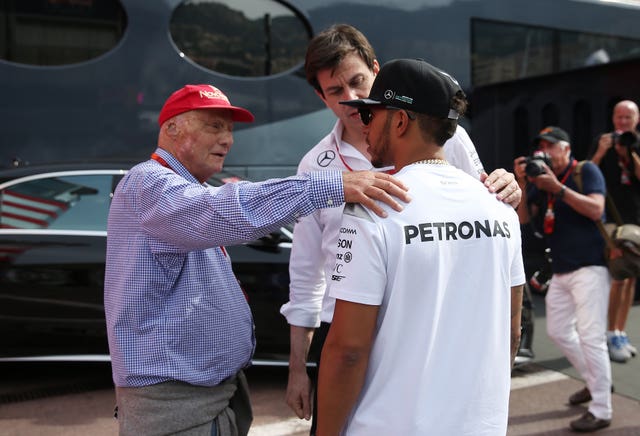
x,y
315,236
441,272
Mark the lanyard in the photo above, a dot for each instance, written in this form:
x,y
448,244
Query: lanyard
x,y
549,216
551,198
341,158
389,171
155,156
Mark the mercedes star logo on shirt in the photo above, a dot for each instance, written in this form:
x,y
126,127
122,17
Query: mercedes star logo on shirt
x,y
326,157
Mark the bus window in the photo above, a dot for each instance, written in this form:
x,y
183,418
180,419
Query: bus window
x,y
59,32
262,39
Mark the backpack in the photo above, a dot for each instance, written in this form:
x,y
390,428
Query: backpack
x,y
626,237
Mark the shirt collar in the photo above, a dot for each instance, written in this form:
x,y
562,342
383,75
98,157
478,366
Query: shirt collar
x,y
176,166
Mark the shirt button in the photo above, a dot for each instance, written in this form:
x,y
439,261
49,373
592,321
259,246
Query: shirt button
x,y
330,202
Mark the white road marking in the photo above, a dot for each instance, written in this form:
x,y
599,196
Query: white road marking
x,y
536,378
291,426
295,426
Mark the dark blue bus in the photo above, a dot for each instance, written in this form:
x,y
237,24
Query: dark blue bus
x,y
85,79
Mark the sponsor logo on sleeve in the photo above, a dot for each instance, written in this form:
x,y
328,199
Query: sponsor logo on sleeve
x,y
343,255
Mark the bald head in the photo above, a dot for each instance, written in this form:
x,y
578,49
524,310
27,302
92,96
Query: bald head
x,y
625,116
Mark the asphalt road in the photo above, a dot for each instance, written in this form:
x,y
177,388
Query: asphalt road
x,y
77,399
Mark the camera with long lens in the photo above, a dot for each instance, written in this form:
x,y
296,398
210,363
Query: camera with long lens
x,y
541,279
534,164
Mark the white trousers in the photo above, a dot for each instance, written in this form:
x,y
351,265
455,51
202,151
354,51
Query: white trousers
x,y
576,307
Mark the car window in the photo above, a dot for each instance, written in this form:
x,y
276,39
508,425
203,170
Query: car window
x,y
59,203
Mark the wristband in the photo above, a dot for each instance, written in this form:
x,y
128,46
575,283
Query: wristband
x,y
560,194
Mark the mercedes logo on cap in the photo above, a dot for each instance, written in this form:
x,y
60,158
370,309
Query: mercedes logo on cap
x,y
388,94
326,157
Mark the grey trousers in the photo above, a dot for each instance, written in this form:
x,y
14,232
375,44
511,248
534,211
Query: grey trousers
x,y
180,408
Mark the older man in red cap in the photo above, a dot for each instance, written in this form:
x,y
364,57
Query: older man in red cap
x,y
180,330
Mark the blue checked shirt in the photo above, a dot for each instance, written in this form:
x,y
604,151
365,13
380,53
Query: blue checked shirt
x,y
174,308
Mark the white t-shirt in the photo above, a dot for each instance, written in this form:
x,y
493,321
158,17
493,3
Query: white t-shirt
x,y
441,272
315,236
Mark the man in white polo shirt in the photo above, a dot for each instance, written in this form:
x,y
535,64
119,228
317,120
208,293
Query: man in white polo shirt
x,y
341,64
416,288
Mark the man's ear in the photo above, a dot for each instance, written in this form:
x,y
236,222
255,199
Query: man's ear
x,y
401,122
376,67
171,128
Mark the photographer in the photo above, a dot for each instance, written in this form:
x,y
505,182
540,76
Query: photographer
x,y
577,298
617,155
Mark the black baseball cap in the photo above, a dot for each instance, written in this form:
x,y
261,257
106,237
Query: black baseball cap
x,y
415,85
553,134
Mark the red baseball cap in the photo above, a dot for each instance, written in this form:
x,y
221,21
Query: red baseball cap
x,y
200,97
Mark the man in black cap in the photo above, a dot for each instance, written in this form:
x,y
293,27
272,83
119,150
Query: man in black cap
x,y
407,294
340,64
577,298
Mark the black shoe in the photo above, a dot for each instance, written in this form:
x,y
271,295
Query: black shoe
x,y
588,423
582,396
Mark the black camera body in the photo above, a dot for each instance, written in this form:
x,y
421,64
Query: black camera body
x,y
534,165
627,139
